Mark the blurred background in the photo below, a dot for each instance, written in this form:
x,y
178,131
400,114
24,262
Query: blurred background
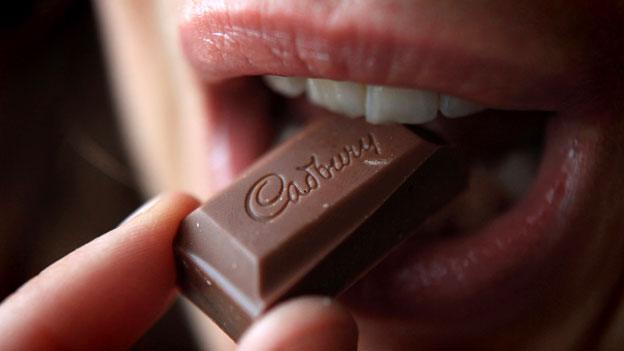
x,y
63,175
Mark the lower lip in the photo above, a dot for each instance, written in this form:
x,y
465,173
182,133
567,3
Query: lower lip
x,y
496,271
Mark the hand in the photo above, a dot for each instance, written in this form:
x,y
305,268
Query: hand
x,y
312,323
106,294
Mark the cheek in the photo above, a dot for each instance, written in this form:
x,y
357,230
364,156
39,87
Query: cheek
x,y
152,87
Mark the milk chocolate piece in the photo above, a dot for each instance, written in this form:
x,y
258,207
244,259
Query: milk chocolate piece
x,y
311,217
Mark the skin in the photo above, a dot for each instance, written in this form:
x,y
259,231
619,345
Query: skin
x,y
80,303
574,61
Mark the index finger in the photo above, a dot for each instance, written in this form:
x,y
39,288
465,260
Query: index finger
x,y
105,294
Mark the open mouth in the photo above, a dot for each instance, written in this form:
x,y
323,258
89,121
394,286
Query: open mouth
x,y
478,241
498,248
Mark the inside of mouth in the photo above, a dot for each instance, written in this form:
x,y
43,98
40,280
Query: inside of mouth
x,y
503,150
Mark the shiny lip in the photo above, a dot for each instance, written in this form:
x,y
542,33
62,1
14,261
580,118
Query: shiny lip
x,y
296,39
513,253
451,281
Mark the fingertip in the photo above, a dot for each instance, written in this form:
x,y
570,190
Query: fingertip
x,y
108,292
170,205
310,323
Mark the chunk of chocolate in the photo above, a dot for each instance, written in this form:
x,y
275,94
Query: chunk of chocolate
x,y
311,217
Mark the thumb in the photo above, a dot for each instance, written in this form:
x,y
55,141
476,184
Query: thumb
x,y
312,323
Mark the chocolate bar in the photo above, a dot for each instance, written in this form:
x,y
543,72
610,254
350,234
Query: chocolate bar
x,y
312,216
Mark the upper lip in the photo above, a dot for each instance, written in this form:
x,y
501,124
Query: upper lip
x,y
442,53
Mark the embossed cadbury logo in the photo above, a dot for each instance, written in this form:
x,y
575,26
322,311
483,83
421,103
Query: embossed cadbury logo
x,y
270,195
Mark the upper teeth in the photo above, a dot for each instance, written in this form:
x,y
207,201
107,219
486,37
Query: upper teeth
x,y
289,86
379,104
452,107
341,97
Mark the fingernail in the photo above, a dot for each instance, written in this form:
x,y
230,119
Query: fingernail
x,y
141,210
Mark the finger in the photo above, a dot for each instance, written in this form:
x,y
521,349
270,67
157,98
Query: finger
x,y
105,294
305,324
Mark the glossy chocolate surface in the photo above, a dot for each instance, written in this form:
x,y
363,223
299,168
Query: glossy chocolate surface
x,y
311,217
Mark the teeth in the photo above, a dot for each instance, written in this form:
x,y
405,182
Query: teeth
x,y
384,104
516,173
340,97
288,86
379,104
453,107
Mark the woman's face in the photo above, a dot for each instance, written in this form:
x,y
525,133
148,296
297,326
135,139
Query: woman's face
x,y
530,256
